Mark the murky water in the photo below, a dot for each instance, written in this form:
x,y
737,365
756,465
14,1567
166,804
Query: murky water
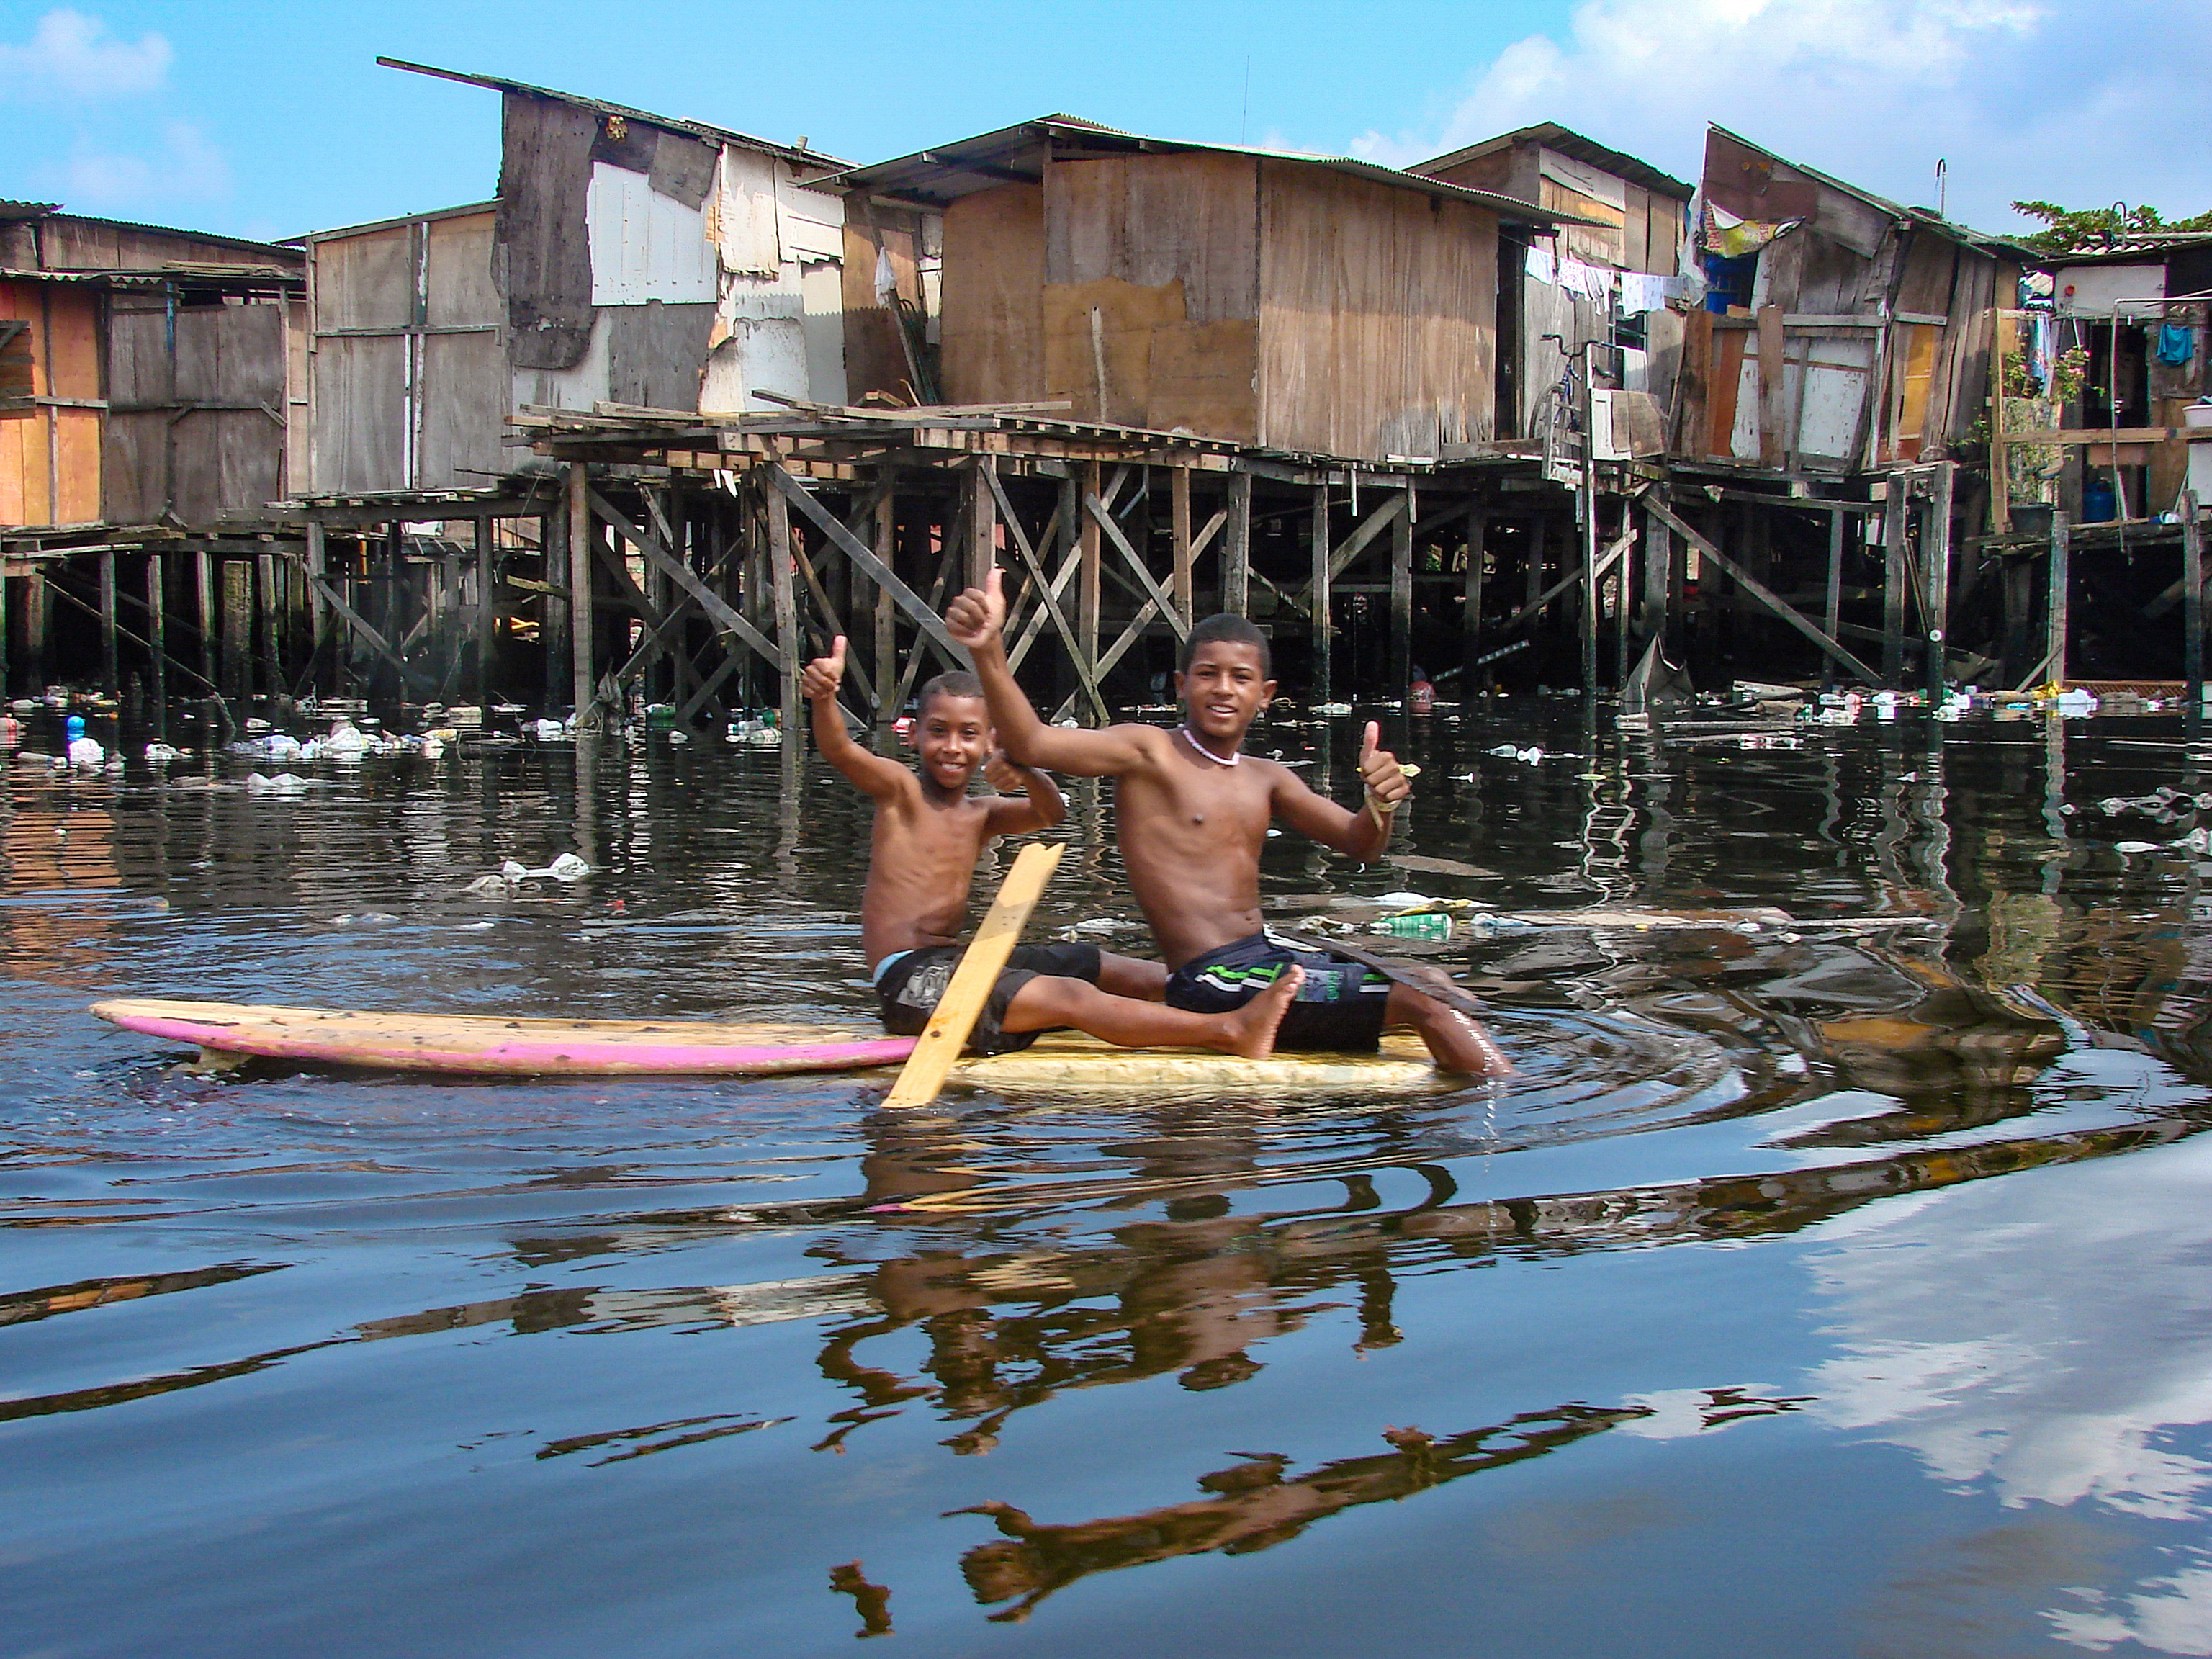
x,y
1834,1285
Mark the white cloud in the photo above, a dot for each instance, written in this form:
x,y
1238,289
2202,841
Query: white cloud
x,y
2024,99
188,167
71,56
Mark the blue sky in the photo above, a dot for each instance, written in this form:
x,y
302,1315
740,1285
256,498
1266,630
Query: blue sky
x,y
262,119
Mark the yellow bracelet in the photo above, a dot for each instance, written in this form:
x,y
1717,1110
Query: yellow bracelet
x,y
1380,808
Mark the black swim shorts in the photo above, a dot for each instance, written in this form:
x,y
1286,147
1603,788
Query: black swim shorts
x,y
910,985
1338,1009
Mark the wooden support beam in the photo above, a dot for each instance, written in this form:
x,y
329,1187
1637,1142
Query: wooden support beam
x,y
1893,583
203,573
1318,597
630,596
1935,573
582,679
1087,595
886,640
983,518
109,677
237,628
1066,524
1833,614
648,543
1753,586
356,621
1153,590
1401,598
553,610
484,613
1612,555
708,689
271,591
1470,620
157,638
789,489
2058,604
787,611
1237,550
2192,602
1179,541
68,598
1048,598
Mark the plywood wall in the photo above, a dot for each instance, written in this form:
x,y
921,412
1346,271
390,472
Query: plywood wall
x,y
1378,316
1149,308
50,458
993,318
409,369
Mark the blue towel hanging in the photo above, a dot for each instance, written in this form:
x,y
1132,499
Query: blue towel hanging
x,y
2177,343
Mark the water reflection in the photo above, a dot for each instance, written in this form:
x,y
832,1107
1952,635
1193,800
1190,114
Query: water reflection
x,y
1937,1051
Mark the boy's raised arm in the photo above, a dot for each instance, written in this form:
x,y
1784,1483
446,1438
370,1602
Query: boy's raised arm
x,y
874,775
1028,799
1360,834
978,620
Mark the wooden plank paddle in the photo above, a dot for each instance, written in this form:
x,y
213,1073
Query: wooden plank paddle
x,y
939,1046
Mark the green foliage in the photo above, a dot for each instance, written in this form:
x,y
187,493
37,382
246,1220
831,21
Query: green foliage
x,y
2089,230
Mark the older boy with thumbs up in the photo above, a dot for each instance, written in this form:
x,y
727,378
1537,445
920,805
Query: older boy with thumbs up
x,y
1192,812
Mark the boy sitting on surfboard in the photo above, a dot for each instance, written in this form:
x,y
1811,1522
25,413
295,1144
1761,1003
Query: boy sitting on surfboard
x,y
1192,812
928,833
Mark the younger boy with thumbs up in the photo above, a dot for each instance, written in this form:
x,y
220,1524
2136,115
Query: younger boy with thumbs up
x,y
1192,812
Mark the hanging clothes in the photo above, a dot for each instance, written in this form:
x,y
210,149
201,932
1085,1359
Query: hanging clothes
x,y
2177,343
1542,266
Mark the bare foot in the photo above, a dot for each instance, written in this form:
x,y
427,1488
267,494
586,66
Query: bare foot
x,y
1251,1029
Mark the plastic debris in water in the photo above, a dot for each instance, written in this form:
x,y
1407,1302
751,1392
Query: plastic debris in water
x,y
284,783
158,752
1423,923
2134,846
1528,757
1331,709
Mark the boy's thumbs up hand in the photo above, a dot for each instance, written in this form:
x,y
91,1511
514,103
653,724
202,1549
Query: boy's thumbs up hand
x,y
975,618
1379,770
821,676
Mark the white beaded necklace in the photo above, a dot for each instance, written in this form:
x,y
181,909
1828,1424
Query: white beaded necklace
x,y
1191,737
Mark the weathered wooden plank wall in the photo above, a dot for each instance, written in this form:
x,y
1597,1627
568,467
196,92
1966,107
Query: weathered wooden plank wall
x,y
1378,326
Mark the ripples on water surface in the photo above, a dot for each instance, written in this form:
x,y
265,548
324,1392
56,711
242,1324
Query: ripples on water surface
x,y
1832,1286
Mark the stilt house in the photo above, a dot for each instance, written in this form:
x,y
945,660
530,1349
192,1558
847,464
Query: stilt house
x,y
1317,305
629,258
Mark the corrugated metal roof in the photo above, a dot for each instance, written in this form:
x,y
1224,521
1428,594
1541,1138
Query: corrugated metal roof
x,y
152,280
1919,216
17,210
189,236
1552,136
394,224
672,123
1015,155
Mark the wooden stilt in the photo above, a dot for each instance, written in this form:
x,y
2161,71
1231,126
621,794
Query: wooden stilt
x,y
1470,619
271,595
1236,548
983,520
886,651
787,611
1087,596
110,680
157,635
1179,537
552,608
1533,560
1401,600
1319,597
2060,600
1893,582
1936,568
482,680
1831,615
581,621
2192,601
1658,604
237,626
